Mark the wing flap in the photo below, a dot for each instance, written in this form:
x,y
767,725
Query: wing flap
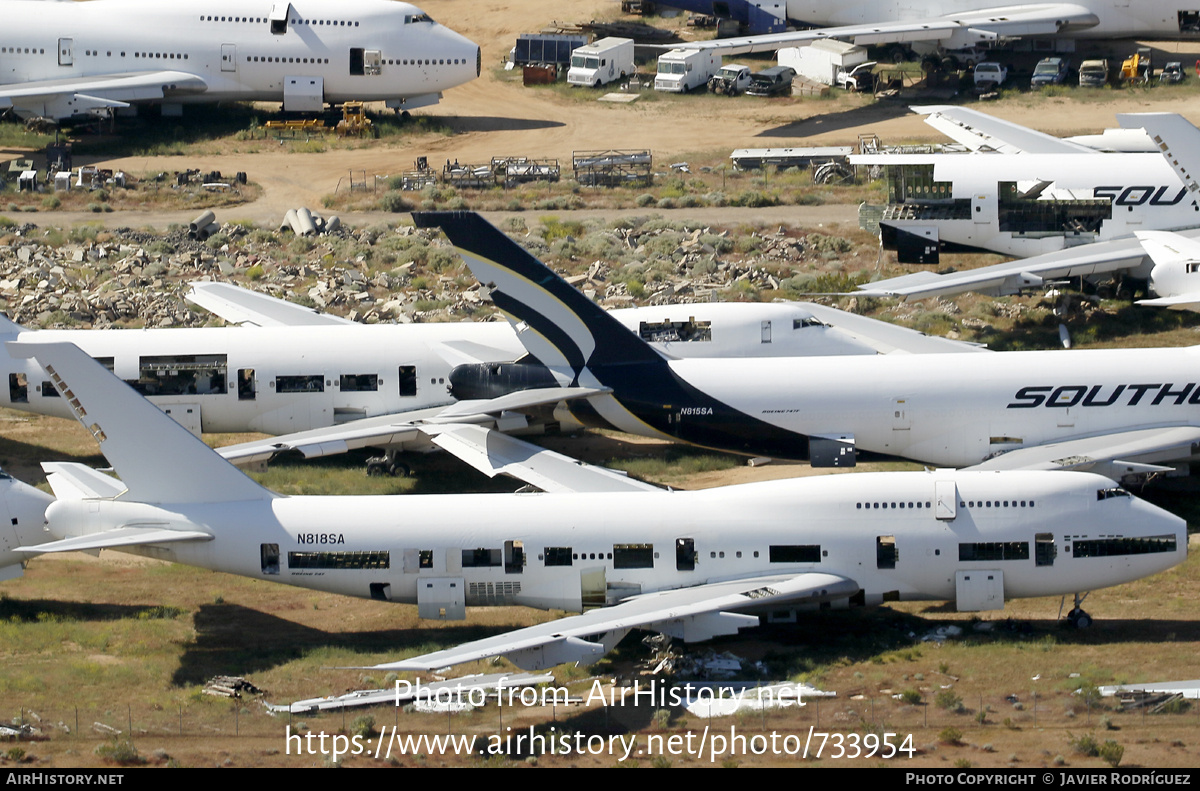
x,y
696,613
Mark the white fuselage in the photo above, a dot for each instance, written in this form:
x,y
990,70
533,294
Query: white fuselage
x,y
1117,19
323,51
567,551
954,410
968,207
280,380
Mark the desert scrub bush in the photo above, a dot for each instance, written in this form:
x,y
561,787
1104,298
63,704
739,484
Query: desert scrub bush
x,y
363,727
950,735
122,753
643,200
395,202
1085,744
948,700
1111,753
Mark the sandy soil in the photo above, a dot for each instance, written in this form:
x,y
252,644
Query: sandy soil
x,y
492,117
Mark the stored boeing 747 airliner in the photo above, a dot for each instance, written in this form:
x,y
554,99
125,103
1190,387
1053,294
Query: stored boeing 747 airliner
x,y
1120,411
322,384
60,59
689,564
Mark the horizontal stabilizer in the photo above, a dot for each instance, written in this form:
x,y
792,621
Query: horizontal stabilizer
x,y
121,537
493,453
73,481
159,460
242,306
522,399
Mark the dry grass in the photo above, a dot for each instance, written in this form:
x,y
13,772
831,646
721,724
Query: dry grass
x,y
123,641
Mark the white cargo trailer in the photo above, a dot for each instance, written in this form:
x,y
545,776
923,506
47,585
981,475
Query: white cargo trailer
x,y
823,59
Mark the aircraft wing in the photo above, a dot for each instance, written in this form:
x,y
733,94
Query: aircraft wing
x,y
72,95
888,338
1014,276
1115,455
955,31
1190,301
692,614
242,306
404,427
493,453
982,132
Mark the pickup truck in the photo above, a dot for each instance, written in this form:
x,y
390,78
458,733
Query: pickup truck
x,y
989,76
859,78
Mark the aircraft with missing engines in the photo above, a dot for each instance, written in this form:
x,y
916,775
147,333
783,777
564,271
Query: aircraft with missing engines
x,y
60,59
322,384
691,564
1015,200
1121,412
1024,193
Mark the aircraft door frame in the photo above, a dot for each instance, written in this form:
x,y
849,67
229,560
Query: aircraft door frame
x,y
229,58
66,52
984,208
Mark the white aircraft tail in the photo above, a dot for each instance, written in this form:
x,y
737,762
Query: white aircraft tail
x,y
9,327
1176,138
159,460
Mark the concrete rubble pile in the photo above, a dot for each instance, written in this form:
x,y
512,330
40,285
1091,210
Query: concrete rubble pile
x,y
124,277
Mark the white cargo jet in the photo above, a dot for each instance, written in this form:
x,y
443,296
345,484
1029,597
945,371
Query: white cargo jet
x,y
325,385
1118,412
1043,199
689,564
60,59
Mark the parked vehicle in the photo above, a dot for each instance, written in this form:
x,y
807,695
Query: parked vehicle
x,y
681,70
607,60
822,60
731,80
1093,74
1050,71
1172,73
860,78
1137,67
989,75
775,81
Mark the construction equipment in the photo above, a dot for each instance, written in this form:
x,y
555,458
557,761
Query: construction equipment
x,y
1137,68
354,121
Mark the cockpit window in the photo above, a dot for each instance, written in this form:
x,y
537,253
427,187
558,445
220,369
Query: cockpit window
x,y
1116,491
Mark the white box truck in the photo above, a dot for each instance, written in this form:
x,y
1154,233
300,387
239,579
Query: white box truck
x,y
681,70
601,62
821,60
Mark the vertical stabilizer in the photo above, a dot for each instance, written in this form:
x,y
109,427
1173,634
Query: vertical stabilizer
x,y
1176,138
563,328
159,461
